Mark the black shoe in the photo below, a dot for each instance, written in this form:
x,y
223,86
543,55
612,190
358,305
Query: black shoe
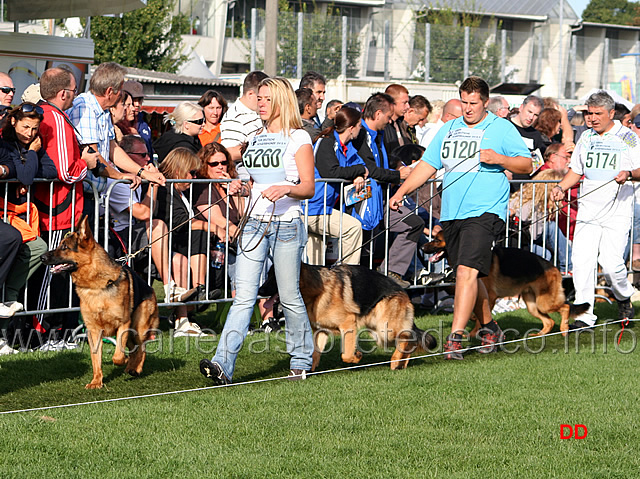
x,y
297,375
202,296
625,309
270,325
213,371
579,325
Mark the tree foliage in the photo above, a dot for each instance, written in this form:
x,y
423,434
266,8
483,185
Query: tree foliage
x,y
321,42
447,46
615,12
148,38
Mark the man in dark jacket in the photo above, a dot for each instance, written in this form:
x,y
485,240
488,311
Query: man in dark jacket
x,y
370,145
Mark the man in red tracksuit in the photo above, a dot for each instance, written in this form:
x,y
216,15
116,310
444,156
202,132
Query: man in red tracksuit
x,y
61,206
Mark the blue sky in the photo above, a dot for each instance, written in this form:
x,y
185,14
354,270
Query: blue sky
x,y
578,5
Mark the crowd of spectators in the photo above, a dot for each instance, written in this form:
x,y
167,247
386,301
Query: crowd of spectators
x,y
362,153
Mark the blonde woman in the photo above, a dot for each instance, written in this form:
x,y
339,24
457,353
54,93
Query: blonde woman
x,y
280,161
186,123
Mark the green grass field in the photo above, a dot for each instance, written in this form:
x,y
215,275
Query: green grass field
x,y
495,415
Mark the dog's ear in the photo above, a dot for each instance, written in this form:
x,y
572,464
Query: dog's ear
x,y
84,232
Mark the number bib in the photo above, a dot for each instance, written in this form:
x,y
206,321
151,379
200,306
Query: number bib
x,y
603,160
264,158
460,150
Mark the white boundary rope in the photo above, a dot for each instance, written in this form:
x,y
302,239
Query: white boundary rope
x,y
317,373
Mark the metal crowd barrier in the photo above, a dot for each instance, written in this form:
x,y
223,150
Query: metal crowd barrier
x,y
514,236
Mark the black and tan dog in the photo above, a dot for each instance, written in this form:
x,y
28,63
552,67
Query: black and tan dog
x,y
345,299
516,272
113,300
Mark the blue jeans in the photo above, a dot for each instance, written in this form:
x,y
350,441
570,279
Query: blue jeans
x,y
286,240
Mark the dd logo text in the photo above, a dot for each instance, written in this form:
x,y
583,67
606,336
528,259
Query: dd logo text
x,y
577,431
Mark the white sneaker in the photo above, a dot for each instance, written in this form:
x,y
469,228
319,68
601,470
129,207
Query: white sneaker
x,y
184,328
58,345
5,349
10,308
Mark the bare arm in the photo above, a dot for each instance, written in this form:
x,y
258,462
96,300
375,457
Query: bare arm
x,y
420,174
570,179
303,190
515,164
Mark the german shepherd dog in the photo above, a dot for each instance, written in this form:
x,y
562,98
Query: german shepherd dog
x,y
516,272
113,300
346,298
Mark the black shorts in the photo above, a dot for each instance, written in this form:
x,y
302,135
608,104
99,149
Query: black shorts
x,y
470,241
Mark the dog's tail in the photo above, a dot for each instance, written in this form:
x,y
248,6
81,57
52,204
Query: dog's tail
x,y
425,340
578,309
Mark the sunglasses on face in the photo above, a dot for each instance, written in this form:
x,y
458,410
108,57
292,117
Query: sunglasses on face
x,y
217,163
143,154
27,108
7,89
193,172
199,121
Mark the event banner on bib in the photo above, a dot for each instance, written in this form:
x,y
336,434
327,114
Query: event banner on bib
x,y
460,151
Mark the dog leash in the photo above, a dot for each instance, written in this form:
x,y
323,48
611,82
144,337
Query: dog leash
x,y
559,208
399,220
125,259
315,373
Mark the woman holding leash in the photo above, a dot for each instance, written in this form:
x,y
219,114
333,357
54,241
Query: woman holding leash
x,y
280,161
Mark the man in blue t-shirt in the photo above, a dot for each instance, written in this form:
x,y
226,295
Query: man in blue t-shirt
x,y
474,151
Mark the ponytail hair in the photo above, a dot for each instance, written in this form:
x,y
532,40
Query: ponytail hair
x,y
346,117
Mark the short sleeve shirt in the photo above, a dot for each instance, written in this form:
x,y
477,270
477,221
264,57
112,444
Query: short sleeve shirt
x,y
600,158
470,188
94,126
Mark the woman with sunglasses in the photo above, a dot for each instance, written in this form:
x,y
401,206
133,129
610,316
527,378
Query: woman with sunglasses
x,y
23,158
186,124
21,154
189,238
279,159
217,165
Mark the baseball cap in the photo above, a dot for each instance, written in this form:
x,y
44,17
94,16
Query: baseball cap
x,y
134,88
354,105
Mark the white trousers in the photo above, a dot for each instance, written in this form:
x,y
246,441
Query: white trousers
x,y
600,241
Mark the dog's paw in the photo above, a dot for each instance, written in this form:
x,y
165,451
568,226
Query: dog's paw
x,y
94,385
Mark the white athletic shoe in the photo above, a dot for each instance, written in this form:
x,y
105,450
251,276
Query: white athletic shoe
x,y
5,349
10,308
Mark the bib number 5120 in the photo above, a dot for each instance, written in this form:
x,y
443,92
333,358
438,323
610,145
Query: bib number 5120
x,y
463,149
